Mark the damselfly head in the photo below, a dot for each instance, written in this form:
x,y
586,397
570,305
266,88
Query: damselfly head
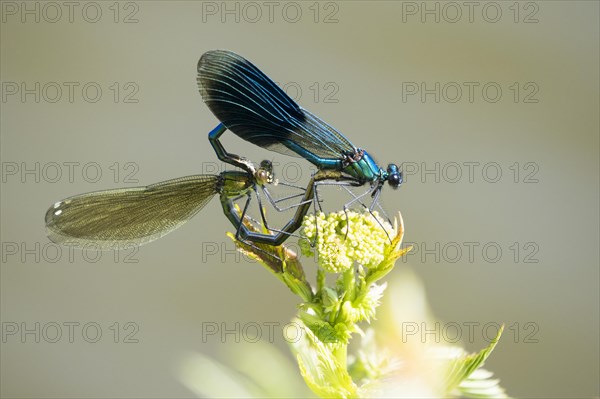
x,y
265,174
394,175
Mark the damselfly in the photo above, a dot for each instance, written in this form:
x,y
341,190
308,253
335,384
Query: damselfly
x,y
134,216
252,106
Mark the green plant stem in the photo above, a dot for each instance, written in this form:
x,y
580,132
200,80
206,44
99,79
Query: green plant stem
x,y
349,281
321,276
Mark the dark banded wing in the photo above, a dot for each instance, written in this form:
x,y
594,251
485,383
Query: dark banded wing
x,y
113,219
252,106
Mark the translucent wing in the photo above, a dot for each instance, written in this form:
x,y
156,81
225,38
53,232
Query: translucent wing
x,y
253,107
114,218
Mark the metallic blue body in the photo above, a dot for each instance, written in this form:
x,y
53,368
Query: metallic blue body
x,y
365,169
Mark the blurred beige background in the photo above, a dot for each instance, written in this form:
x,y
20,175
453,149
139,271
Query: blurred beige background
x,y
358,65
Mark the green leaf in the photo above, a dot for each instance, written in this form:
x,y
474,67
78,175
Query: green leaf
x,y
322,330
480,385
321,369
460,370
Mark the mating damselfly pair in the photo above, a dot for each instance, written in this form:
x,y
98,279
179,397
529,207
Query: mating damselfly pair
x,y
252,106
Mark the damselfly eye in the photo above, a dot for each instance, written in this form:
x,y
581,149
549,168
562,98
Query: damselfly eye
x,y
394,176
395,179
266,165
